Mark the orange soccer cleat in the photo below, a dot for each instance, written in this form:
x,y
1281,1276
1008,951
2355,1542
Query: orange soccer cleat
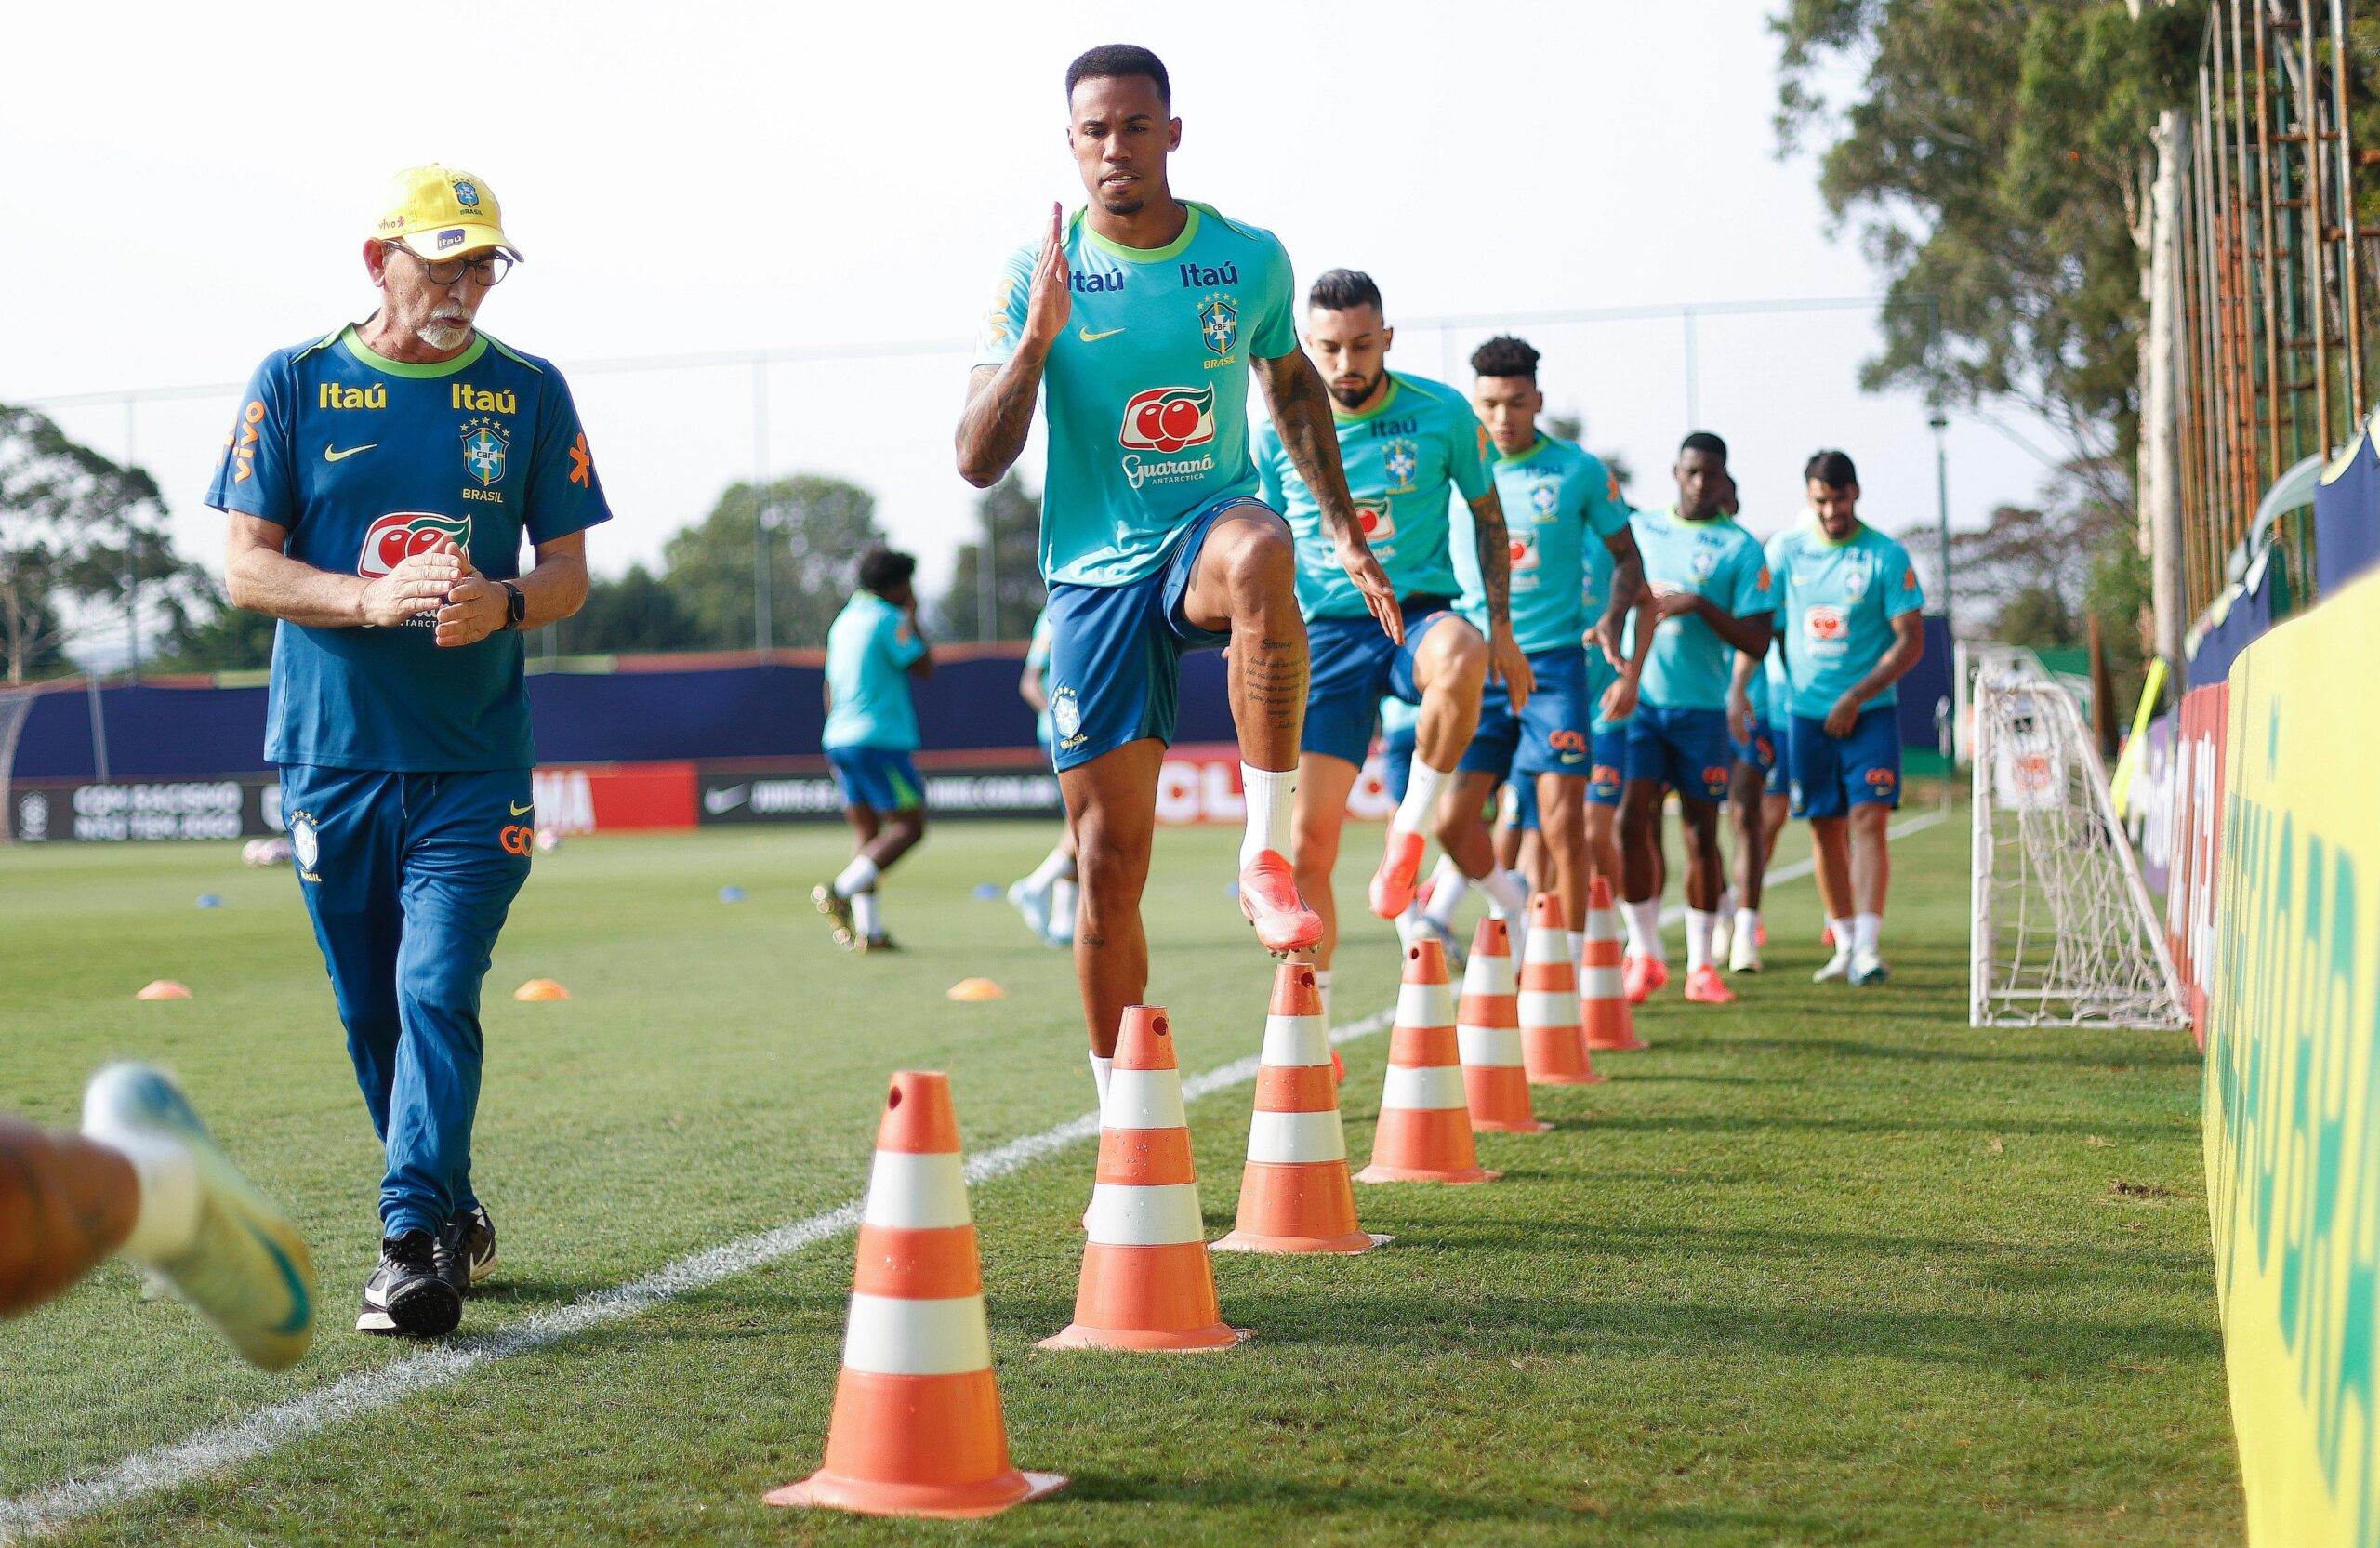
x,y
1400,868
1643,975
1268,896
1704,986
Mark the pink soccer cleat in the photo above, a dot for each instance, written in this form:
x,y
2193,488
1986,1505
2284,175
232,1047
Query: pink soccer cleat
x,y
1704,986
1400,866
1268,895
1760,934
1641,977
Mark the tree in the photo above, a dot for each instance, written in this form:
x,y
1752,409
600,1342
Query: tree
x,y
1997,157
637,611
818,528
77,528
217,637
1010,514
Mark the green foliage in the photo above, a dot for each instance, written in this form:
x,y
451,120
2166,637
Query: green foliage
x,y
637,611
217,637
1010,514
819,527
1995,160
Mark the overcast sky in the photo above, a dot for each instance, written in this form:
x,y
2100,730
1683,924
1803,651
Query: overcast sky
x,y
189,187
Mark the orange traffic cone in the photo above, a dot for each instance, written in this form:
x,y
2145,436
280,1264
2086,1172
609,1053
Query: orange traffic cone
x,y
1146,1281
1551,1044
1424,1134
1295,1196
1603,999
917,1427
1488,1030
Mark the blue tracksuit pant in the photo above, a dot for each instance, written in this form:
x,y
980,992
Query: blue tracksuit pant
x,y
408,877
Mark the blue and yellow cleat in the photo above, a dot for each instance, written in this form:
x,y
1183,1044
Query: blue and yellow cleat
x,y
1868,967
203,1228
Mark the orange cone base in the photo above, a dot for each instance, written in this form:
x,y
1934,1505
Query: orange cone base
x,y
1498,1126
1603,1037
826,1491
1193,1341
1605,1044
1501,1093
1314,1194
1590,1079
1354,1241
1378,1173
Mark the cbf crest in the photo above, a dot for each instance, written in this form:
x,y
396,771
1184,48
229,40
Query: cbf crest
x,y
1545,497
1858,576
1400,461
1219,324
486,443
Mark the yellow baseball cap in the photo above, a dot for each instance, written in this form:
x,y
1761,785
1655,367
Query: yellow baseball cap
x,y
438,211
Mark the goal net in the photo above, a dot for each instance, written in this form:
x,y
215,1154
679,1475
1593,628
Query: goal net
x,y
15,705
2063,934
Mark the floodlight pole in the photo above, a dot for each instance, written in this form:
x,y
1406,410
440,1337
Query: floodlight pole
x,y
1942,503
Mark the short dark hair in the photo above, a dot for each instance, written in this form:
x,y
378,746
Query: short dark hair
x,y
1342,289
882,570
1831,469
1703,441
1115,61
1505,356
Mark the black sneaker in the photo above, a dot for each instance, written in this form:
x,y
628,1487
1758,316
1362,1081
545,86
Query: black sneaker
x,y
407,1295
467,1248
837,907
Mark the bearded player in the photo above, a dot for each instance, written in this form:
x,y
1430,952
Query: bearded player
x,y
1408,443
1141,319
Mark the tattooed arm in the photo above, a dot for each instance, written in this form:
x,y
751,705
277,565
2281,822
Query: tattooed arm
x,y
1301,418
1504,657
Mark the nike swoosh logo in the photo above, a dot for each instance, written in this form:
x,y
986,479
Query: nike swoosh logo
x,y
332,453
1090,337
518,810
301,1305
718,802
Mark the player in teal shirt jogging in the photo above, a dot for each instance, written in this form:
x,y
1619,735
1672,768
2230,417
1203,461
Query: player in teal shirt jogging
x,y
874,647
1575,576
1138,322
379,482
1408,445
1853,627
1712,598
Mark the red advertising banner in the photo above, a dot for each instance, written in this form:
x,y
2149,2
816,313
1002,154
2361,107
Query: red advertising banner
x,y
610,798
1199,783
2196,853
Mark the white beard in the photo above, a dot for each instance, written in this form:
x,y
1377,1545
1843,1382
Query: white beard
x,y
442,335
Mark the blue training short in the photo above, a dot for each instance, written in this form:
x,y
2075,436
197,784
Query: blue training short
x,y
1549,736
1762,751
1354,663
1832,776
1396,760
1115,651
1686,749
883,778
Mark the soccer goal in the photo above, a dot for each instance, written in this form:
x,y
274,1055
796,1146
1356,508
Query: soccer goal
x,y
15,705
2063,934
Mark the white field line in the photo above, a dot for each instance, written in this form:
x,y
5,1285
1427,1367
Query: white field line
x,y
269,1430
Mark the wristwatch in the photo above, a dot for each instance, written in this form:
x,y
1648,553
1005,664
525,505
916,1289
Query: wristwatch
x,y
516,605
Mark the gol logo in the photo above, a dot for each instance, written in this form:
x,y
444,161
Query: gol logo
x,y
1605,774
1715,776
518,840
1880,779
399,536
1822,622
1567,741
1168,419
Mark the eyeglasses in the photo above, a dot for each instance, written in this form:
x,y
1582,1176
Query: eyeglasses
x,y
485,271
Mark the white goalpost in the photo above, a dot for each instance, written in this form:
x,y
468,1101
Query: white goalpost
x,y
2062,931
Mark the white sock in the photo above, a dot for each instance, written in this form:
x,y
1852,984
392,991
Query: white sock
x,y
1578,950
1842,936
857,877
868,922
1727,902
1447,886
1270,798
1866,930
1698,938
1322,989
1055,866
1420,799
1062,909
1507,895
1748,926
1102,1066
1645,928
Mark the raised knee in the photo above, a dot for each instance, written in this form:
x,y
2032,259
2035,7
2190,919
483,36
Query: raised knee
x,y
1261,553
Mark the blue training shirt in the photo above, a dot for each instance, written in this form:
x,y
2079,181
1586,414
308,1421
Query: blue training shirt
x,y
365,461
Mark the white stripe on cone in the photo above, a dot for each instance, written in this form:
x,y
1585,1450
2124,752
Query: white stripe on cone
x,y
1489,975
1297,1137
1143,1099
1291,1041
1489,1046
1548,1007
1431,1086
892,1336
1424,1005
1600,984
1162,1215
917,1191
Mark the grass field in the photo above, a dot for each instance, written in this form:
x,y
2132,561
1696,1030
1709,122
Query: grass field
x,y
1824,1267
